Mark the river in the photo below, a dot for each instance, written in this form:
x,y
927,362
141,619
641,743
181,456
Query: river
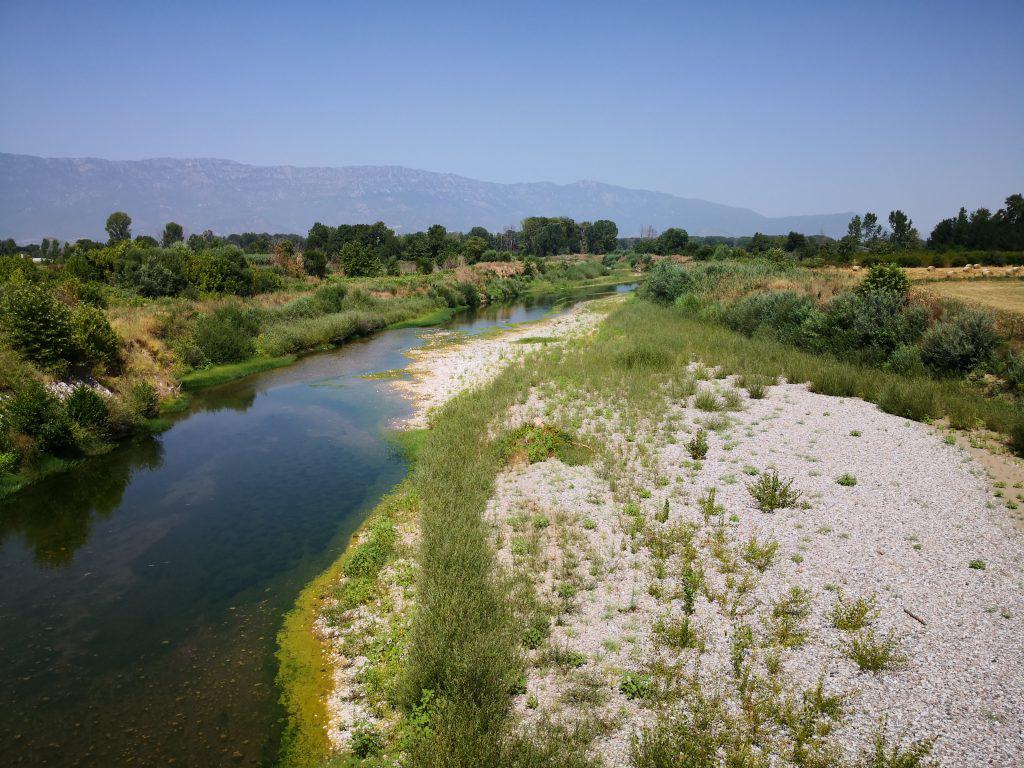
x,y
141,592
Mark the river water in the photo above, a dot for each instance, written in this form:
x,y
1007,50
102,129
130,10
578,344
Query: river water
x,y
141,592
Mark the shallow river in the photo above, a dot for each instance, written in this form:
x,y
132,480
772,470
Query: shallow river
x,y
140,593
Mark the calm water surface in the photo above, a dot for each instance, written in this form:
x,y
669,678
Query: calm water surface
x,y
140,594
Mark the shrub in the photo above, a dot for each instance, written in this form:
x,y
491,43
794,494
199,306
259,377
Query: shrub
x,y
665,282
95,341
34,411
882,755
223,269
8,462
852,615
87,408
142,400
867,326
223,336
771,492
785,315
873,653
959,343
846,479
36,324
885,277
758,555
906,361
366,741
977,565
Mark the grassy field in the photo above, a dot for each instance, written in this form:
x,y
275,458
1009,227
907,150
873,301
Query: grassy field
x,y
998,295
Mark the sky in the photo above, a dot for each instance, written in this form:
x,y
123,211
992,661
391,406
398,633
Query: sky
x,y
783,107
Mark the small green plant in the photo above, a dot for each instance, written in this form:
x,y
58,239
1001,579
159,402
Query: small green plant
x,y
541,521
698,445
662,515
853,615
771,492
732,400
537,443
977,565
882,754
366,741
634,685
708,506
589,524
854,433
707,400
758,555
531,702
567,590
875,653
846,479
679,633
786,624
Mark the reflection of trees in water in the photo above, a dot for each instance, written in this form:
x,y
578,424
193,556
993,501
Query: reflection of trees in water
x,y
55,516
236,396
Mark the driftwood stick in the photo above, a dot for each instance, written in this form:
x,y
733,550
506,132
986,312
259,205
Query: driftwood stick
x,y
914,616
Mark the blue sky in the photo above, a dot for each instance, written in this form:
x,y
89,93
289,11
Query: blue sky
x,y
785,107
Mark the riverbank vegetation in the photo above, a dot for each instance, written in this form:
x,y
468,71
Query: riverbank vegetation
x,y
501,663
130,323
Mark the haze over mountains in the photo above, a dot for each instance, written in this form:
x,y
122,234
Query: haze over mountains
x,y
69,198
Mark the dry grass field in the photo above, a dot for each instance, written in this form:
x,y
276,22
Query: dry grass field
x,y
998,295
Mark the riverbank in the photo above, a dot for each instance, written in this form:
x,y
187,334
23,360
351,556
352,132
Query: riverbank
x,y
659,557
342,644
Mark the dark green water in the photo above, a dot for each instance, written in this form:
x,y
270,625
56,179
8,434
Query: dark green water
x,y
140,593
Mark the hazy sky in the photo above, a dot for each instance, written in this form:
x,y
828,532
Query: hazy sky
x,y
782,107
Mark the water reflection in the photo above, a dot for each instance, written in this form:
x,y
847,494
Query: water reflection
x,y
54,530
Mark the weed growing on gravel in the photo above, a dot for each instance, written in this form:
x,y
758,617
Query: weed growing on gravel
x,y
882,754
785,626
708,506
732,400
875,653
635,685
852,615
679,633
847,479
977,565
771,492
755,385
758,555
707,400
698,445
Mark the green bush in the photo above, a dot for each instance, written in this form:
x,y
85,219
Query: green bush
x,y
959,343
787,315
34,411
885,277
906,361
96,342
665,282
87,408
223,269
142,400
223,336
771,492
36,324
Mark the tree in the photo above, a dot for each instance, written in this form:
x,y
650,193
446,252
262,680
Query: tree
x,y
472,248
795,242
855,231
436,236
314,262
173,233
603,236
672,241
147,240
903,234
872,229
119,227
358,261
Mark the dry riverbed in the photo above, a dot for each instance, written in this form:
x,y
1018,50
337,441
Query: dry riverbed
x,y
886,597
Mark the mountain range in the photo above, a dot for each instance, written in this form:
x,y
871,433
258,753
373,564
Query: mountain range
x,y
70,198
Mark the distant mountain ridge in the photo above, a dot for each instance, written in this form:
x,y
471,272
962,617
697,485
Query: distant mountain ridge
x,y
69,198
